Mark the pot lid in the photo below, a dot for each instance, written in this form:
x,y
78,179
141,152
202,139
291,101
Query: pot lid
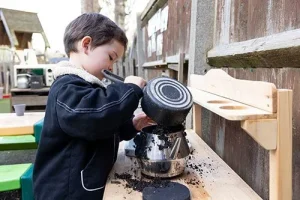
x,y
170,93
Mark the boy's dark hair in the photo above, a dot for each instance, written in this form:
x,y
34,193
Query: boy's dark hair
x,y
100,28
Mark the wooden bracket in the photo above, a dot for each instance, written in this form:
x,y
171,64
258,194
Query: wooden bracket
x,y
265,114
263,131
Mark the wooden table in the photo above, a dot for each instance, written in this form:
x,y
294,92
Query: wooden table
x,y
11,124
216,180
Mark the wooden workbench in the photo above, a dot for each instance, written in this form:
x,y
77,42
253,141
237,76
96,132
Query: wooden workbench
x,y
11,124
216,180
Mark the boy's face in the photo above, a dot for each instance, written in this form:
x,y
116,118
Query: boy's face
x,y
101,57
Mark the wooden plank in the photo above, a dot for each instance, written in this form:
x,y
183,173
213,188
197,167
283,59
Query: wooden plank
x,y
270,51
173,59
1,72
148,7
30,100
19,142
225,25
5,79
228,109
281,158
152,7
173,67
212,180
180,67
240,17
7,30
197,122
115,68
283,40
263,94
154,63
131,66
44,89
120,69
263,131
126,67
257,15
139,40
10,124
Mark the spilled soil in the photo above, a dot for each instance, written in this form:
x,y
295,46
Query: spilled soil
x,y
139,185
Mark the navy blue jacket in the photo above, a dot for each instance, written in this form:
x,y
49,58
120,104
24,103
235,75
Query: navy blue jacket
x,y
83,126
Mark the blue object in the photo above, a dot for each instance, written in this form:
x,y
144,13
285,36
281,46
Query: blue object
x,y
37,128
27,184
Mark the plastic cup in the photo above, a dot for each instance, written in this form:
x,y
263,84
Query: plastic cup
x,y
1,92
20,109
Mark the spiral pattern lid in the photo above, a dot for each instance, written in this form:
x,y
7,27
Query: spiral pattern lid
x,y
170,92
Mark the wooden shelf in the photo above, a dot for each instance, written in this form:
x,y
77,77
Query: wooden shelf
x,y
44,89
265,113
228,109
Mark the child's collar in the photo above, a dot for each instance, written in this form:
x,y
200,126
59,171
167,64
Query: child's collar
x,y
66,67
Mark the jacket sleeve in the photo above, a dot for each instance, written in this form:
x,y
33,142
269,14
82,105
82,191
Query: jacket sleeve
x,y
127,130
95,113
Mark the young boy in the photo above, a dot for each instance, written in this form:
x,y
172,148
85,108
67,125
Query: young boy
x,y
85,120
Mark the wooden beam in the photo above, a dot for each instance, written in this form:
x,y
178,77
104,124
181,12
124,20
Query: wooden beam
x,y
154,63
263,131
9,34
176,58
281,158
274,50
180,67
131,66
126,67
140,50
173,67
197,122
152,7
30,100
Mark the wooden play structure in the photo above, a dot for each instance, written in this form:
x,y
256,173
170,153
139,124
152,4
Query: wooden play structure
x,y
19,133
265,113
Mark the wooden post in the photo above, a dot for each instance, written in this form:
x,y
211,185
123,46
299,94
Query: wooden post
x,y
180,67
139,41
281,158
126,65
121,71
5,77
1,81
197,123
115,68
131,66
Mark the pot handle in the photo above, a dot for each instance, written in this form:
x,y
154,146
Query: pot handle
x,y
112,77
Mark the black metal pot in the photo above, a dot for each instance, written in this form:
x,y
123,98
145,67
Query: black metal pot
x,y
166,101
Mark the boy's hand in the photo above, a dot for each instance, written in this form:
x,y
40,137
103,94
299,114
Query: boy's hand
x,y
135,80
141,120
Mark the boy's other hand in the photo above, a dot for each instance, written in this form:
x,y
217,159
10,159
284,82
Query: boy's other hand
x,y
141,120
135,80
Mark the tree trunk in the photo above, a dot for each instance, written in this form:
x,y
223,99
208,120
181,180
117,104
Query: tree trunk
x,y
120,13
90,6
